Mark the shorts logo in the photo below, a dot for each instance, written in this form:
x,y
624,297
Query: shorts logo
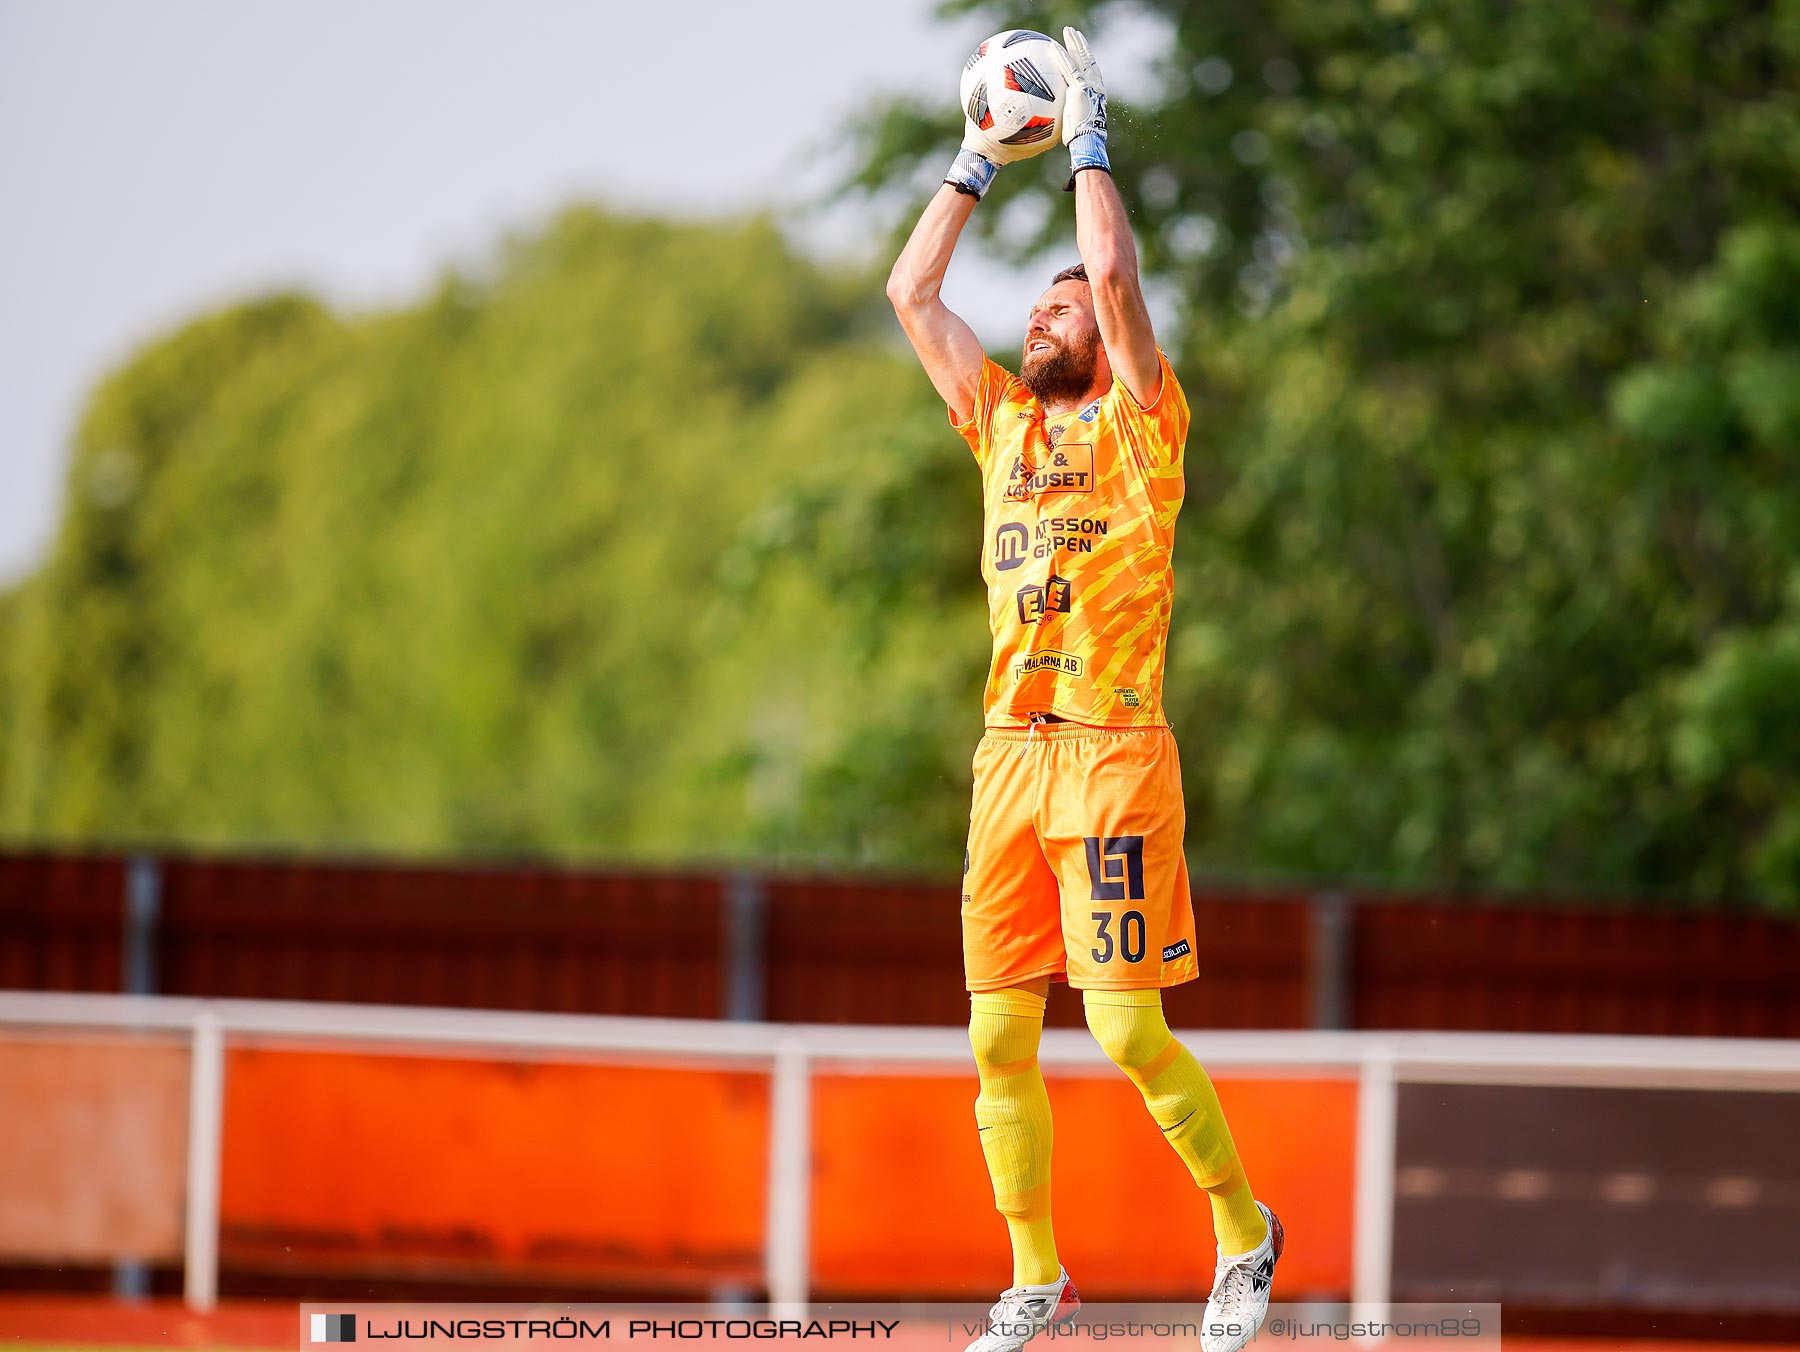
x,y
1053,598
1067,663
1011,540
1176,950
1116,867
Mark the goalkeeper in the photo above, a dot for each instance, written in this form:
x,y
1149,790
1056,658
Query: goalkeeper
x,y
1075,868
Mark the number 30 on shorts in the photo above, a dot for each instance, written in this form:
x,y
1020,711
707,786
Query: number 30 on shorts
x,y
1131,936
1116,873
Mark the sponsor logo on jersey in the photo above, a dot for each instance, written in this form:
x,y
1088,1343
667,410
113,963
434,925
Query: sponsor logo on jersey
x,y
1069,470
1048,660
1011,541
1175,950
1055,597
1091,412
1128,695
1068,534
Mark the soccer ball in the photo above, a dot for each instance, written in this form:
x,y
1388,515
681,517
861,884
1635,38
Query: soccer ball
x,y
1012,89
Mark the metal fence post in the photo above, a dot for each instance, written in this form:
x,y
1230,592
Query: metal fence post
x,y
746,902
206,1112
787,1262
1329,959
1372,1252
137,976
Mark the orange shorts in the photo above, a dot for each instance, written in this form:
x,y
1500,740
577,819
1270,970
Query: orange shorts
x,y
1075,866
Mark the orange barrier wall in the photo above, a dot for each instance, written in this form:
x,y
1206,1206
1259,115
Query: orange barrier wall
x,y
444,1167
655,1177
902,1200
93,1146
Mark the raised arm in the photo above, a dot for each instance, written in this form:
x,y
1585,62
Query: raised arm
x,y
947,347
1103,230
1103,235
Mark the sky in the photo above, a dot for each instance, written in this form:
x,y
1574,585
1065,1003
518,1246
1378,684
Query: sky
x,y
159,159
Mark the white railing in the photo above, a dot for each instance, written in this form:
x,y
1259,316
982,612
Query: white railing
x,y
1379,1061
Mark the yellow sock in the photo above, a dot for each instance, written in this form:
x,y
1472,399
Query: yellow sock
x,y
1013,1113
1130,1027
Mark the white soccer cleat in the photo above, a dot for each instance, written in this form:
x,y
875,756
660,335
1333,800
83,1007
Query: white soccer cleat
x,y
1240,1292
1023,1312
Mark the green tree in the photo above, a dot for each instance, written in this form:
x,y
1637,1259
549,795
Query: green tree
x,y
647,540
462,575
1479,582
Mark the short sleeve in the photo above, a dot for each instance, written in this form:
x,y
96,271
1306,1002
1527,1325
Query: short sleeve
x,y
995,386
1157,433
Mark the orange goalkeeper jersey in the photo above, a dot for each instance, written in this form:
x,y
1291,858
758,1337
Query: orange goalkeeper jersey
x,y
1078,534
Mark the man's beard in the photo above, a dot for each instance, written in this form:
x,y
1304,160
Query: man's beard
x,y
1063,374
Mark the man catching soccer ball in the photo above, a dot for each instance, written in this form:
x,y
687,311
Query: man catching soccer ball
x,y
1075,866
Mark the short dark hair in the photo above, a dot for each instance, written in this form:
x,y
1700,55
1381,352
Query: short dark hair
x,y
1078,273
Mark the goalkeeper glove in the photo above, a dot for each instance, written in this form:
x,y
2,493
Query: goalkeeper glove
x,y
972,171
1084,107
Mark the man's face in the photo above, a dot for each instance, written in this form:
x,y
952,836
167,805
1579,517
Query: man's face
x,y
1062,343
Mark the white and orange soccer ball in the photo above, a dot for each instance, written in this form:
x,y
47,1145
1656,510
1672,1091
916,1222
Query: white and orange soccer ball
x,y
1012,92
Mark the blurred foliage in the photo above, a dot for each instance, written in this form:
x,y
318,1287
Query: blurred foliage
x,y
1490,315
574,559
651,543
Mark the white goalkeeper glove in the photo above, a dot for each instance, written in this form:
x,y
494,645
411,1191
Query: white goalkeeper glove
x,y
1084,106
